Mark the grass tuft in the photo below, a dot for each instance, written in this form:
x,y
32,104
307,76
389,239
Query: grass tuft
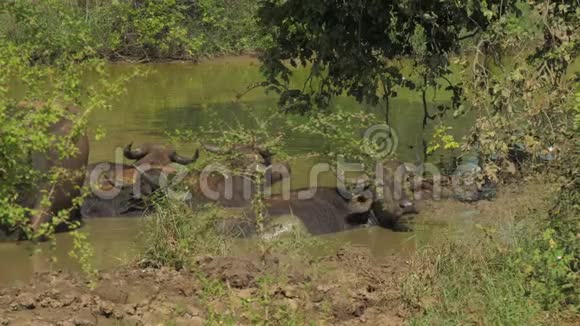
x,y
175,234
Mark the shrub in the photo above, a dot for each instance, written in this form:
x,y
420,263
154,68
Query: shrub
x,y
154,29
25,131
508,277
52,29
141,29
523,96
175,234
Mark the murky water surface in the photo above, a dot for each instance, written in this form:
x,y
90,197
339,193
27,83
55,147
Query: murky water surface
x,y
187,96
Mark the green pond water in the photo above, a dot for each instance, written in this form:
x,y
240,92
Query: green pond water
x,y
190,97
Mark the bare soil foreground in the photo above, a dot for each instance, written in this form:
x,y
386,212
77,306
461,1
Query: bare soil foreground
x,y
345,287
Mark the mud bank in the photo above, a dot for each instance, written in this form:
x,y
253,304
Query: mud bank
x,y
345,288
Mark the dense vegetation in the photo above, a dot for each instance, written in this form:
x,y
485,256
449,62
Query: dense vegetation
x,y
515,60
59,42
132,30
26,128
512,54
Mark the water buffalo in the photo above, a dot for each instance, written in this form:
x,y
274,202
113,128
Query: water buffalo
x,y
63,193
392,191
324,210
320,210
234,186
328,209
248,155
115,191
119,189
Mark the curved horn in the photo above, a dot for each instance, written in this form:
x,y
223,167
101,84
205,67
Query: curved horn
x,y
133,154
213,149
174,157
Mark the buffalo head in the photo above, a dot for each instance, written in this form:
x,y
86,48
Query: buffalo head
x,y
391,201
156,155
359,203
249,156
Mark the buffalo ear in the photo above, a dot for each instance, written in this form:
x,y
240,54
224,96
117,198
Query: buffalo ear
x,y
133,154
365,196
361,203
174,157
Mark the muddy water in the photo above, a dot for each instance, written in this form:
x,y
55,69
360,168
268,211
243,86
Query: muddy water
x,y
190,97
116,242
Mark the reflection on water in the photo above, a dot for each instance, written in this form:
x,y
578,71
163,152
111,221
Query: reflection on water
x,y
191,97
186,96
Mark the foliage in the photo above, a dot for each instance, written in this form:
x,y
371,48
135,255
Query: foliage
x,y
493,283
350,137
555,262
229,26
83,252
442,139
577,113
502,273
550,268
51,29
259,201
262,135
352,48
142,29
348,46
467,284
175,234
157,28
526,100
342,133
26,128
266,133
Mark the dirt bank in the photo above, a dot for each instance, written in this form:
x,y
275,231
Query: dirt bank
x,y
345,288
